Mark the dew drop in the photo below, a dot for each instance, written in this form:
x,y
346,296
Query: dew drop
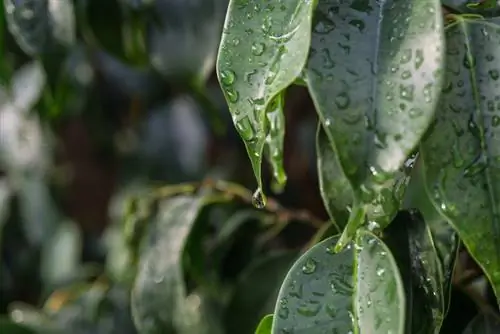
x,y
494,74
309,266
227,77
259,200
342,101
415,112
258,48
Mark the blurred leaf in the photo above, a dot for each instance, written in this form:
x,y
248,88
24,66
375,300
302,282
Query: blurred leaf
x,y
5,201
32,318
27,86
262,52
256,291
61,253
183,44
461,156
159,292
483,324
324,288
265,325
39,25
376,90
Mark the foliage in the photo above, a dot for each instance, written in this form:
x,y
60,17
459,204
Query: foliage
x,y
406,123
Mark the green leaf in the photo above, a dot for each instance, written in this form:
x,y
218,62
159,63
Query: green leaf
x,y
358,289
263,49
39,25
275,139
482,7
159,291
334,186
250,300
483,324
265,325
375,87
461,156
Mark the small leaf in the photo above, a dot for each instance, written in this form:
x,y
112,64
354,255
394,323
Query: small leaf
x,y
38,25
483,324
375,87
275,139
263,49
265,325
461,156
159,291
358,289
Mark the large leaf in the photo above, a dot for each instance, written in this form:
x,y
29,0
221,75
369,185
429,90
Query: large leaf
x,y
159,291
357,288
461,156
184,41
483,324
375,87
252,300
39,25
263,49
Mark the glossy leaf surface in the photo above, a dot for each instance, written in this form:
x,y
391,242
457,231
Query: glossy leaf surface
x,y
263,49
38,25
358,287
375,86
159,291
461,156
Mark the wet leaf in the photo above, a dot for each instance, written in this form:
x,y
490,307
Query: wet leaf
x,y
357,289
275,139
375,87
263,49
183,41
251,300
39,25
159,292
265,325
461,156
483,324
482,7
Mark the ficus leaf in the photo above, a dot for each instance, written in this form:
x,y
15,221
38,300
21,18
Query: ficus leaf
x,y
159,292
263,49
375,87
461,156
39,25
358,289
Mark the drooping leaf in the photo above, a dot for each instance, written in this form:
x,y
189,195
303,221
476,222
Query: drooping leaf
x,y
461,156
252,300
483,324
375,87
336,191
263,49
357,288
159,291
276,138
39,25
265,325
183,42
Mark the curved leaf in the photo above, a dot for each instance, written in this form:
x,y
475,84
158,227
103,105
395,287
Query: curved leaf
x,y
461,156
357,288
184,42
265,325
39,25
483,324
263,49
159,291
375,87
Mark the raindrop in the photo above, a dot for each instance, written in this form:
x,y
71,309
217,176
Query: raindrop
x,y
494,74
419,58
258,48
309,266
415,112
405,75
380,272
358,24
342,100
245,129
373,225
495,121
406,56
331,249
232,95
331,310
227,77
407,92
324,26
311,311
283,312
259,199
236,41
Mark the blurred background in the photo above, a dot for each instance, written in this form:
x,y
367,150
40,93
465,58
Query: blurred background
x,y
102,100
